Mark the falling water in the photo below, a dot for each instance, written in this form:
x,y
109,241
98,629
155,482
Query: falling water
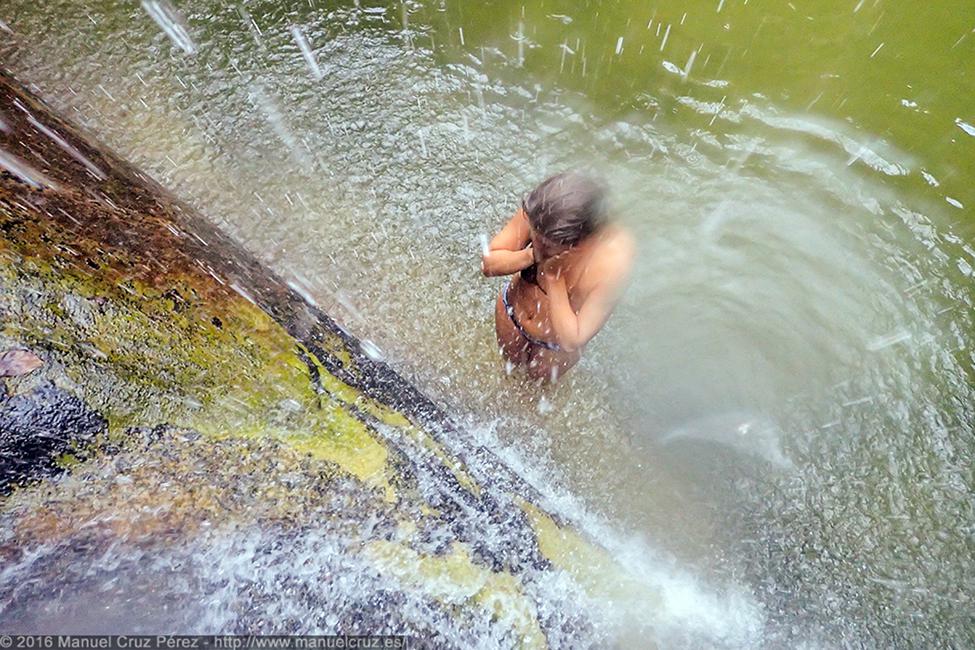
x,y
775,429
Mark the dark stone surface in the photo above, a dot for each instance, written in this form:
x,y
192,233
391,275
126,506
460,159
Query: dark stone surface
x,y
186,346
38,427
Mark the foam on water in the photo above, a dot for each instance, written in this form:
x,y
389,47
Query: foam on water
x,y
657,597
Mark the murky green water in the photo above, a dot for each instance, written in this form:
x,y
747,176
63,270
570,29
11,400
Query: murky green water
x,y
783,402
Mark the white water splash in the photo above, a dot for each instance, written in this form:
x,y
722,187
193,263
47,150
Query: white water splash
x,y
22,170
171,22
671,67
749,433
689,65
275,118
371,350
544,406
306,52
660,600
298,286
94,169
666,36
881,342
965,126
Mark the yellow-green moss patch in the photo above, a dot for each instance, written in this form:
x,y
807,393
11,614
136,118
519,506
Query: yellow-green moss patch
x,y
454,579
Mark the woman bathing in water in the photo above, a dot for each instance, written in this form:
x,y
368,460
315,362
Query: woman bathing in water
x,y
569,266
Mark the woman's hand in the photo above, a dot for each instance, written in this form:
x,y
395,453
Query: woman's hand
x,y
549,277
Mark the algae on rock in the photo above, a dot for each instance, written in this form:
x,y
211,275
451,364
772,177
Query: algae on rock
x,y
226,400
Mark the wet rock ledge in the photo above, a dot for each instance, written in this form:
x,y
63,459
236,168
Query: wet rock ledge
x,y
140,331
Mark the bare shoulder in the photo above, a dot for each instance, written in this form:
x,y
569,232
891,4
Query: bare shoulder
x,y
617,250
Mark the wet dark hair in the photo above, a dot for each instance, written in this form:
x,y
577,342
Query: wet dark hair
x,y
566,208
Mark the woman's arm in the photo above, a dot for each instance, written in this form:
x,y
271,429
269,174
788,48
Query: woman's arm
x,y
573,330
509,252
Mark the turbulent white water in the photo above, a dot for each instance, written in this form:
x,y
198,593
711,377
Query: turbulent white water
x,y
775,429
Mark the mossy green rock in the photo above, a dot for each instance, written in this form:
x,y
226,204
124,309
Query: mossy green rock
x,y
230,403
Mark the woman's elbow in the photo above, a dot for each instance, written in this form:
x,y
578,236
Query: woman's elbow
x,y
573,341
489,266
573,345
570,343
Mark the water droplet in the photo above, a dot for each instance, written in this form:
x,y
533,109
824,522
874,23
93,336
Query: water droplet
x,y
544,406
371,350
306,52
171,22
966,127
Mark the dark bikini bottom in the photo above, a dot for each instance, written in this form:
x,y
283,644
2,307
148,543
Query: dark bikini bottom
x,y
554,347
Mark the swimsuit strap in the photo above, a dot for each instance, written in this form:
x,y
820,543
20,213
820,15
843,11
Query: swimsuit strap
x,y
548,345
